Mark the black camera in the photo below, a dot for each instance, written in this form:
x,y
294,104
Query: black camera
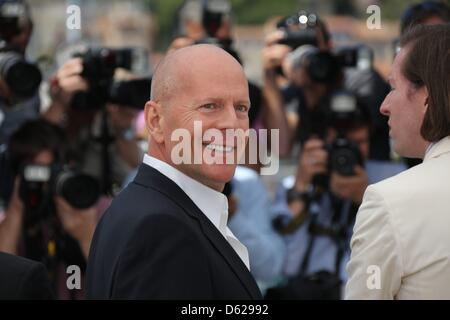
x,y
99,66
39,183
342,114
14,15
321,66
326,67
344,155
345,113
214,12
22,78
299,30
358,56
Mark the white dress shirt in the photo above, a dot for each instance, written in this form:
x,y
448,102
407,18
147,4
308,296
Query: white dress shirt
x,y
211,202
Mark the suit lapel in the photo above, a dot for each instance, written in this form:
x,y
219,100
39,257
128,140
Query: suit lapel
x,y
232,258
152,178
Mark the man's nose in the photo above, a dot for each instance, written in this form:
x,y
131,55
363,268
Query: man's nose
x,y
384,108
228,118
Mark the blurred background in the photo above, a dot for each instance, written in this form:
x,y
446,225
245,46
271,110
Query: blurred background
x,y
150,24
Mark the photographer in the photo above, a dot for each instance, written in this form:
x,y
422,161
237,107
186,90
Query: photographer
x,y
291,93
101,111
19,97
51,214
315,210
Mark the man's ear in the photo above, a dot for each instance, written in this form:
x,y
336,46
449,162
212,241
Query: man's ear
x,y
154,121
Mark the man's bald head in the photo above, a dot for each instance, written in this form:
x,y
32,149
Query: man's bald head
x,y
199,85
171,72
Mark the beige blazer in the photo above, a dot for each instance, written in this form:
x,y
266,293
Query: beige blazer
x,y
401,238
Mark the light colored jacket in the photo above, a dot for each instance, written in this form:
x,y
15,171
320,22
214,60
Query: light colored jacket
x,y
401,240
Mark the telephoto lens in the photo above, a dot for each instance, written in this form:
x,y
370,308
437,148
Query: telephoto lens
x,y
80,190
22,78
39,184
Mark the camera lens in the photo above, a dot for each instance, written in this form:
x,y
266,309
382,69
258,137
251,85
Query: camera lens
x,y
344,156
22,77
343,160
79,190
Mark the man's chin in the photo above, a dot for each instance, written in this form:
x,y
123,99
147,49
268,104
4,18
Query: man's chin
x,y
220,173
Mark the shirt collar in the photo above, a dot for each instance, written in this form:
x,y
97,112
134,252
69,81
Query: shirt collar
x,y
212,203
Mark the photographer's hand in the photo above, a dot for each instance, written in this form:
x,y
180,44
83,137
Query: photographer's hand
x,y
63,86
313,160
11,226
273,57
69,80
352,187
78,223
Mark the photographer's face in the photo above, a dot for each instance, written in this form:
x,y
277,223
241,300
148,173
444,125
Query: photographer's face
x,y
122,117
22,39
359,136
44,158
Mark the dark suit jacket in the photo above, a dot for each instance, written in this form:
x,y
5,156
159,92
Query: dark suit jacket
x,y
155,243
22,278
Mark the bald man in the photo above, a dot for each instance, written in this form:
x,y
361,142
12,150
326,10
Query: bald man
x,y
166,236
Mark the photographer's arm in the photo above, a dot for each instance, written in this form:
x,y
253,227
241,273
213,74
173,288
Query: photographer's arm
x,y
312,161
274,114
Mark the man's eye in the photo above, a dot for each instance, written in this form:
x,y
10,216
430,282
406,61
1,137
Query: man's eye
x,y
242,108
209,106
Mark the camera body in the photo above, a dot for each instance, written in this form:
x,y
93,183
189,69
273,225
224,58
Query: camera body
x,y
299,29
342,114
99,66
326,67
298,38
38,185
214,13
14,14
343,156
358,56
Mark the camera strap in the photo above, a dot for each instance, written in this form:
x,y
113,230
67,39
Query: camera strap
x,y
305,261
337,232
106,162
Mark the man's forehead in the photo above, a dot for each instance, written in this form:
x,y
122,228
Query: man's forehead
x,y
398,61
200,53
